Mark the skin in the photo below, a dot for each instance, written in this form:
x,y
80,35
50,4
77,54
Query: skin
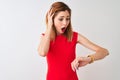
x,y
61,20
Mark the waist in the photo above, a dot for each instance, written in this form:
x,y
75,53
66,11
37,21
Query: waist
x,y
61,75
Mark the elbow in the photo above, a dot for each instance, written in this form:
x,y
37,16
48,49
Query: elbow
x,y
105,52
41,53
101,53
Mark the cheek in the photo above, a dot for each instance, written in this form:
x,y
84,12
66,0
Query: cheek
x,y
56,23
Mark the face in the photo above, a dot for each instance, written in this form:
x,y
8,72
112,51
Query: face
x,y
61,21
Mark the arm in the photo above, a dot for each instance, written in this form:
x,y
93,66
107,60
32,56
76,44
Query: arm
x,y
100,53
43,47
44,44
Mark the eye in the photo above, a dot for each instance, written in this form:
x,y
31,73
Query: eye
x,y
67,19
60,19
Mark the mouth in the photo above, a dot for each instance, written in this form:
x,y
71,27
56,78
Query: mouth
x,y
63,29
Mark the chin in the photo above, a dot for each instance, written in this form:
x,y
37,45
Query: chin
x,y
60,33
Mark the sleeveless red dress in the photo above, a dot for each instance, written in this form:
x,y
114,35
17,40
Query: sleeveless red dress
x,y
59,58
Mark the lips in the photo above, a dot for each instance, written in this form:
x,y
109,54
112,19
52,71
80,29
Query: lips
x,y
63,29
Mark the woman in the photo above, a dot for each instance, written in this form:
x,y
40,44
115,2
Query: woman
x,y
58,44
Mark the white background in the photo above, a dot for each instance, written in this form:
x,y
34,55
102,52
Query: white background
x,y
22,22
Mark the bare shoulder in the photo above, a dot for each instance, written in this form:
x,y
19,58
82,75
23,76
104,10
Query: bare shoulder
x,y
87,43
81,38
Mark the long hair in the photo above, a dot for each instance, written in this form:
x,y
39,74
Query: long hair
x,y
56,8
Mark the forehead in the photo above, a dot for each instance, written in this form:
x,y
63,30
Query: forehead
x,y
63,14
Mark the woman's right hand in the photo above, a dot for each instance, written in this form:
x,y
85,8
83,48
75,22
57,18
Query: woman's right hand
x,y
50,19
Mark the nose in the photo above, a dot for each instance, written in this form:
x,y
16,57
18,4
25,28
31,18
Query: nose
x,y
64,22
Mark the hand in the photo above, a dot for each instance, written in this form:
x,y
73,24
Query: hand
x,y
49,31
50,19
80,62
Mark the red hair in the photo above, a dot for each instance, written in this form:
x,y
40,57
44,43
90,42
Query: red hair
x,y
56,8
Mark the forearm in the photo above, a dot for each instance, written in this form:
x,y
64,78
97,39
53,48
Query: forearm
x,y
44,44
100,54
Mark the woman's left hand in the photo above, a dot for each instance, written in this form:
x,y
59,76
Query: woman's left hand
x,y
80,62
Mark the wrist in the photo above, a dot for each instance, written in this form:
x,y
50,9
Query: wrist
x,y
91,58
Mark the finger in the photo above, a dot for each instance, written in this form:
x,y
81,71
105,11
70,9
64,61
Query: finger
x,y
50,16
82,58
77,66
50,13
72,66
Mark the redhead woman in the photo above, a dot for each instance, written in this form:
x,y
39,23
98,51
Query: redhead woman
x,y
58,45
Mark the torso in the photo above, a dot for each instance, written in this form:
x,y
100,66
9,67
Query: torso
x,y
59,58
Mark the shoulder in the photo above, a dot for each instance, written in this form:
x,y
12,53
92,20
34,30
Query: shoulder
x,y
75,36
79,36
82,39
75,33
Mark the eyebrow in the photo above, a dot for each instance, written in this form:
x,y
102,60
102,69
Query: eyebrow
x,y
64,16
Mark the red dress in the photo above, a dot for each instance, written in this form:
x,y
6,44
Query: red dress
x,y
59,58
